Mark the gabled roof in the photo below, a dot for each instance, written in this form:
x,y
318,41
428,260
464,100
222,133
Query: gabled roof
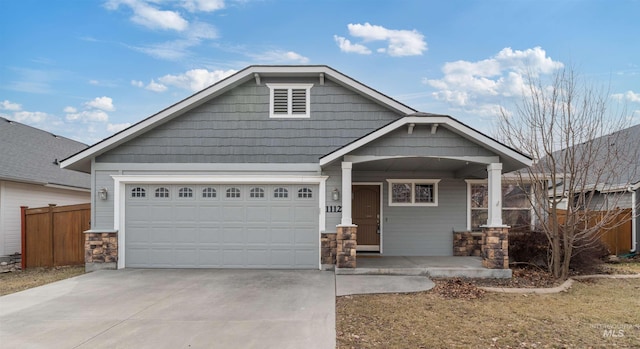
x,y
81,161
31,155
511,158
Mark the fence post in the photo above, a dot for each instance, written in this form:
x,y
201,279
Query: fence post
x,y
51,228
23,236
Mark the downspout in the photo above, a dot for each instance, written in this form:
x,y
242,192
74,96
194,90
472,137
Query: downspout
x,y
634,220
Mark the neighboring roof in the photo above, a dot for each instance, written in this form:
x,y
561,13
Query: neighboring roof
x,y
30,155
81,161
511,158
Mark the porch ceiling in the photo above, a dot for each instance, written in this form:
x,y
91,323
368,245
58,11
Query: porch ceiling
x,y
462,169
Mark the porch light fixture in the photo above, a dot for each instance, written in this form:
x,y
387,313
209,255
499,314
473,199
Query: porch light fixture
x,y
103,193
335,194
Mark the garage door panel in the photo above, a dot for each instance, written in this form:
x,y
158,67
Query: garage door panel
x,y
221,232
232,213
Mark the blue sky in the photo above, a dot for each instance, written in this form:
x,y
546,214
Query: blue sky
x,y
86,69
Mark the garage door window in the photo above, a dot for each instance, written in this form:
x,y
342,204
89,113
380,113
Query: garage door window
x,y
280,193
305,193
256,193
138,192
209,193
185,193
162,192
233,193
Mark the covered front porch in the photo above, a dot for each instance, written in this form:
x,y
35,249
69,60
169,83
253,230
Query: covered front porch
x,y
431,266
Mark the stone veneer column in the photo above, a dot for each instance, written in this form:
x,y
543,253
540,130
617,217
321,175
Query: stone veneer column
x,y
495,247
100,250
328,247
346,249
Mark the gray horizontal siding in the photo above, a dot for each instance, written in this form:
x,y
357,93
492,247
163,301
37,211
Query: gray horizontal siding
x,y
422,142
104,208
420,230
235,127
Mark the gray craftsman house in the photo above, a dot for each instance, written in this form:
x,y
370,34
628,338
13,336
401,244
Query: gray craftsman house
x,y
290,167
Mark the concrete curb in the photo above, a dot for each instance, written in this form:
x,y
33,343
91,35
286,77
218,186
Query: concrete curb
x,y
565,285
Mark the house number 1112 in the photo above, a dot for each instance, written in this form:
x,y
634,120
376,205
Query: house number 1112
x,y
334,209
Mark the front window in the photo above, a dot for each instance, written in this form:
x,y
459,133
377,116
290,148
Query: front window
x,y
516,209
413,192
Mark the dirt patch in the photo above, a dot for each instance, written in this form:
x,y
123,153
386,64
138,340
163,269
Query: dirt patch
x,y
457,288
20,280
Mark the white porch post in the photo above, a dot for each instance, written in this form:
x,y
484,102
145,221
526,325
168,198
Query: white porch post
x,y
494,218
346,194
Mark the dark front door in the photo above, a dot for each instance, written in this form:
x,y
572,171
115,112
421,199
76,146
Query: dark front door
x,y
366,215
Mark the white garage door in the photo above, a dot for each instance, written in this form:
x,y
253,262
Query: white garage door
x,y
222,226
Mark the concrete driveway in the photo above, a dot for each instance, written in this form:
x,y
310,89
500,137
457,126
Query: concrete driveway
x,y
206,308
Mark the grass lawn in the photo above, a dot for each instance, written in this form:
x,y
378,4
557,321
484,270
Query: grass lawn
x,y
574,319
25,279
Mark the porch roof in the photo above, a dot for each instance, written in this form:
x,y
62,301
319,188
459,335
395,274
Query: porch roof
x,y
510,158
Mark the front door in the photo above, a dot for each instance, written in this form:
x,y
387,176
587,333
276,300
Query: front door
x,y
366,215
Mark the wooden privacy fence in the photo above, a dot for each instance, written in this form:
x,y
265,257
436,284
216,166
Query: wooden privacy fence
x,y
617,237
53,236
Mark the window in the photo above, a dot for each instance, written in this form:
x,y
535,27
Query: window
x,y
305,193
256,193
280,193
209,192
162,192
289,100
185,193
516,209
138,192
413,192
233,193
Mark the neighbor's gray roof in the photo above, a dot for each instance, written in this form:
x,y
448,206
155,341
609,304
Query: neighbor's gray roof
x,y
29,155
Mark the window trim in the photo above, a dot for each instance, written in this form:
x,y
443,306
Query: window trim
x,y
290,88
471,182
413,183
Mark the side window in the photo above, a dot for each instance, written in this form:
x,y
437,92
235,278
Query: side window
x,y
209,192
185,192
280,193
138,192
162,192
233,193
305,193
256,193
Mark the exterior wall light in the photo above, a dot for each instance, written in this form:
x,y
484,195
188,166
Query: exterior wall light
x,y
103,193
335,194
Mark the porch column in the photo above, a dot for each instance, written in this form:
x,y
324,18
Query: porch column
x,y
494,218
495,235
346,194
346,232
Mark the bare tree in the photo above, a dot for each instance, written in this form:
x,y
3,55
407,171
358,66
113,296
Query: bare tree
x,y
584,161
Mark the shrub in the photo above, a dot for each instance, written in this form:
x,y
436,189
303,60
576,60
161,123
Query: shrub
x,y
528,247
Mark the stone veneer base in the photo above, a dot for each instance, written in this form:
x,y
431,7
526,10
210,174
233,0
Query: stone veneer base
x,y
495,247
346,246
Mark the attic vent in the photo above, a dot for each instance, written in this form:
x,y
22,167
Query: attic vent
x,y
289,100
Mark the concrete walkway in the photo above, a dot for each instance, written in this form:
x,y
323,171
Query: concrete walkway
x,y
189,308
372,284
470,267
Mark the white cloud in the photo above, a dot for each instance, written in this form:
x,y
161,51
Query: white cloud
x,y
149,16
628,96
70,110
280,56
137,83
30,117
94,82
203,5
88,115
195,79
399,42
480,85
346,46
103,103
113,128
156,87
7,105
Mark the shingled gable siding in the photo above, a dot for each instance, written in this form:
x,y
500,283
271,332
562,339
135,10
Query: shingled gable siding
x,y
422,142
235,128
